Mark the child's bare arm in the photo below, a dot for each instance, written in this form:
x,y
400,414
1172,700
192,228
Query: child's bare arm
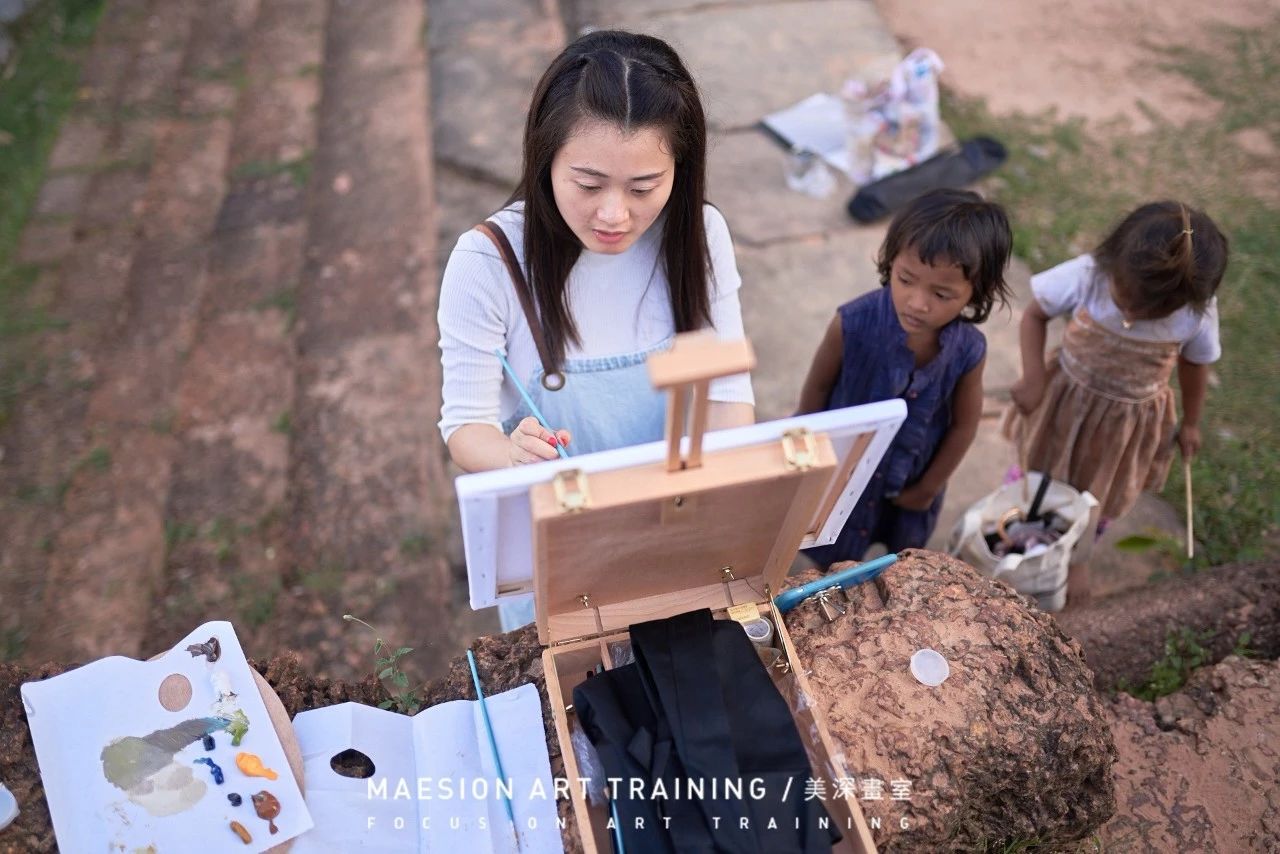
x,y
1029,389
1193,379
966,412
824,370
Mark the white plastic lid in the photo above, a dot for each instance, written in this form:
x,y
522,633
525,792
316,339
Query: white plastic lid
x,y
929,667
8,807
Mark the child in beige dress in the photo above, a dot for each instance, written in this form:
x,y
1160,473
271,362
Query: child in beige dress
x,y
1100,414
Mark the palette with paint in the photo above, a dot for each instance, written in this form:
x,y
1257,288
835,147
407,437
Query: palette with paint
x,y
143,755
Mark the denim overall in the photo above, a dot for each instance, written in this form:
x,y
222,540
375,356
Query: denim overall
x,y
604,403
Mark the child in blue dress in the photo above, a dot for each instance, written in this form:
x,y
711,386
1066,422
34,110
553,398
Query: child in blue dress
x,y
942,269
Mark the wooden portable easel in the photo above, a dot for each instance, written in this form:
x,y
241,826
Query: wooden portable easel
x,y
718,530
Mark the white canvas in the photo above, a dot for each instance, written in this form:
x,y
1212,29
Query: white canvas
x,y
497,524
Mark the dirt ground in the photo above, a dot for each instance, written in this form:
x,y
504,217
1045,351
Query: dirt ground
x,y
1092,58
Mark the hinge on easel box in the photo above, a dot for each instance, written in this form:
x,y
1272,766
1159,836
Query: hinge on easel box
x,y
571,490
799,449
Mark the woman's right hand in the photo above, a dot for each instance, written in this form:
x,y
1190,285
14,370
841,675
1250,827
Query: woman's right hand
x,y
1027,394
533,443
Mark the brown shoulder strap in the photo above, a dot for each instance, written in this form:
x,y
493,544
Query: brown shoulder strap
x,y
491,229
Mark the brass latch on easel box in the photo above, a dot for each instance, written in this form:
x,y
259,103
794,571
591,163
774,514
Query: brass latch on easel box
x,y
571,490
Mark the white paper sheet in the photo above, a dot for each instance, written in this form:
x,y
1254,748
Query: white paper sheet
x,y
433,788
816,124
74,716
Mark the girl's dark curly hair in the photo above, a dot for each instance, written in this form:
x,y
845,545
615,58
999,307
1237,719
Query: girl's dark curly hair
x,y
961,228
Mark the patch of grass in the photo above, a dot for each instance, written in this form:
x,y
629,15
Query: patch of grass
x,y
1183,652
1066,183
12,643
415,545
255,599
286,300
223,534
99,459
1240,70
21,367
327,578
232,72
1242,647
34,98
298,169
30,493
164,422
39,88
108,164
177,533
283,424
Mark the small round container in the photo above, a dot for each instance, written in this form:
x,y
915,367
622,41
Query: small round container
x,y
760,631
8,807
929,667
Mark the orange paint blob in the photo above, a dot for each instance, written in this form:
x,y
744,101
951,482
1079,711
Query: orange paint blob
x,y
251,766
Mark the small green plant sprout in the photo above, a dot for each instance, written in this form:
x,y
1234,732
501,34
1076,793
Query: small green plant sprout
x,y
1184,651
1242,647
386,667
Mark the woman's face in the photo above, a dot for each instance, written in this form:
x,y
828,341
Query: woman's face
x,y
610,187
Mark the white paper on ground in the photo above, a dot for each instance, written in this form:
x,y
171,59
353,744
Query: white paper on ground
x,y
75,715
439,754
816,124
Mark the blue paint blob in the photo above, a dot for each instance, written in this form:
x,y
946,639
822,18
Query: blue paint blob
x,y
208,742
234,799
217,772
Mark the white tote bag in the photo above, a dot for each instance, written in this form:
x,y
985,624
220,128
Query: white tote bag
x,y
1043,574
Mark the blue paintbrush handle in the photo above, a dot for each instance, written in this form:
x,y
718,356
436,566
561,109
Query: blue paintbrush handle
x,y
528,401
488,728
845,578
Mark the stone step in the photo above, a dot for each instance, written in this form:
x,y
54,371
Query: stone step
x,y
108,560
370,503
226,547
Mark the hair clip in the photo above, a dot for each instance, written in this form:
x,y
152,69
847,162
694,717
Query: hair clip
x,y
1188,231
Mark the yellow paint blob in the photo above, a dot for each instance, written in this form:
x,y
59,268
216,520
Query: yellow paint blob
x,y
251,766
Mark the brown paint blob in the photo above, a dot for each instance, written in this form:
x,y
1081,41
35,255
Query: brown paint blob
x,y
240,830
175,692
267,807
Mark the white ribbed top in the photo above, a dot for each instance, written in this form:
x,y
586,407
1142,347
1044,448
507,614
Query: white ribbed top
x,y
1061,289
620,304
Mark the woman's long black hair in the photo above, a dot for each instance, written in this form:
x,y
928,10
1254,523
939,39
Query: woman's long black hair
x,y
633,81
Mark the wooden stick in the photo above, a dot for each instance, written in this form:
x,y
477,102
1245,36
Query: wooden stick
x,y
1026,472
1191,537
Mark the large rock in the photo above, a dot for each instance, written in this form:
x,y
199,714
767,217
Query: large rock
x,y
1012,746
